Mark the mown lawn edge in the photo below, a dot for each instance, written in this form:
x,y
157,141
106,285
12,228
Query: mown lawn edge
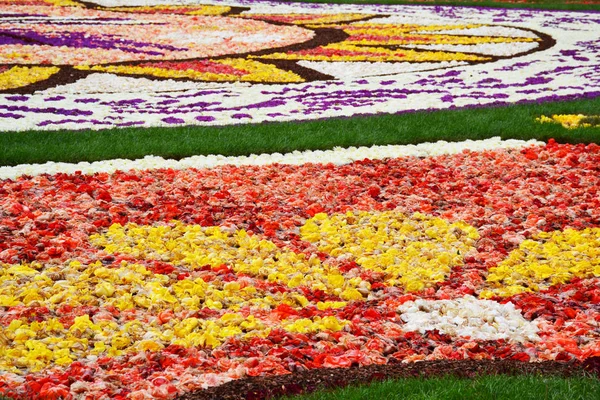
x,y
508,122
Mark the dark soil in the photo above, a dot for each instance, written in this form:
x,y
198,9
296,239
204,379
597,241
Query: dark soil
x,y
264,387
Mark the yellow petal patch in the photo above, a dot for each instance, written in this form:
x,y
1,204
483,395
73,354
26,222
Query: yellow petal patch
x,y
414,252
17,77
173,9
251,71
350,52
547,260
195,246
64,3
314,20
571,121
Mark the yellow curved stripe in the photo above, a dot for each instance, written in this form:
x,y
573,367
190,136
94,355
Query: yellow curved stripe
x,y
64,3
194,246
439,39
301,19
260,72
198,10
376,54
255,72
22,76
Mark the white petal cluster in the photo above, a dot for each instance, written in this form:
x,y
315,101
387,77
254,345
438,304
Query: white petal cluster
x,y
336,156
468,317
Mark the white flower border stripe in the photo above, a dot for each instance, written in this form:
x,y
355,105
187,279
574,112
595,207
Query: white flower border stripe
x,y
336,156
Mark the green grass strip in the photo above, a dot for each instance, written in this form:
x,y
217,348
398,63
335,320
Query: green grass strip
x,y
482,388
515,121
535,4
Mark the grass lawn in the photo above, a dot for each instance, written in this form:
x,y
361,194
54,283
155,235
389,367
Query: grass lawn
x,y
483,388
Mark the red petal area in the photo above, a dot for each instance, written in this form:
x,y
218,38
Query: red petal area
x,y
198,66
292,18
322,51
503,193
163,10
384,39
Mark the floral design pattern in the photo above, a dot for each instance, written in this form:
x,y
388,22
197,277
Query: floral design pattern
x,y
81,65
153,283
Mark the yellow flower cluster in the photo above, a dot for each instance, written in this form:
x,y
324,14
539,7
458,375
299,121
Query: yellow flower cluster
x,y
411,34
253,71
570,121
131,288
369,42
351,52
414,252
315,21
64,3
188,10
551,259
36,345
399,29
317,324
23,76
195,246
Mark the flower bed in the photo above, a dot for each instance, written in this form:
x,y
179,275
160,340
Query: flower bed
x,y
572,121
71,65
155,283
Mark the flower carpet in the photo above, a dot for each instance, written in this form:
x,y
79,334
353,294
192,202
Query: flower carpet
x,y
162,279
158,282
66,64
